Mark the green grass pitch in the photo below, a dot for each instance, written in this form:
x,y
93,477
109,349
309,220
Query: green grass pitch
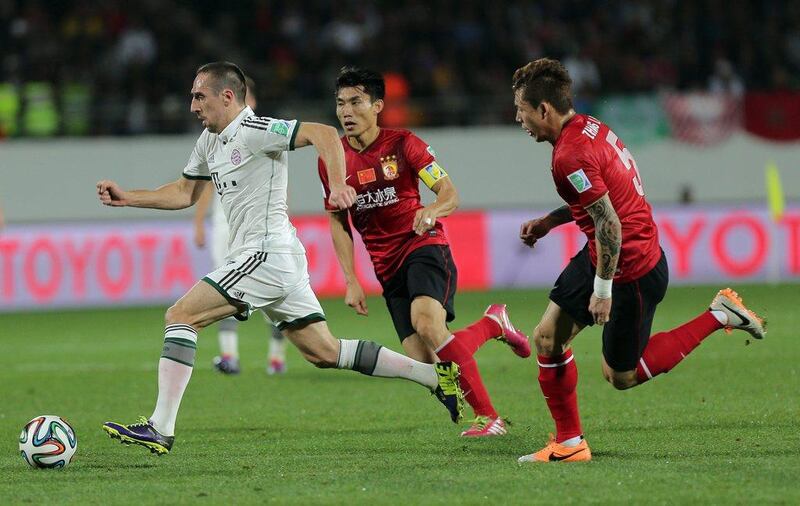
x,y
721,428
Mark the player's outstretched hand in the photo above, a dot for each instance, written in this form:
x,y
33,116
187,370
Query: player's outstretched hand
x,y
342,197
424,220
356,299
600,309
111,194
533,230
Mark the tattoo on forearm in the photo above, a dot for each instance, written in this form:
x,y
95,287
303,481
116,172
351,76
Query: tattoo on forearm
x,y
608,234
561,215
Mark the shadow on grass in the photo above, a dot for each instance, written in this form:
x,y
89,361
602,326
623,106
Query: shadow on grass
x,y
105,466
293,432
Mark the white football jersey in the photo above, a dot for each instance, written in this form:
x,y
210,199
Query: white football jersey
x,y
248,164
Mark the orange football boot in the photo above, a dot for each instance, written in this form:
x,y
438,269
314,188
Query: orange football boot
x,y
739,317
555,452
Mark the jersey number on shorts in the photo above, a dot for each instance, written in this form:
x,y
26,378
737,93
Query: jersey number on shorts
x,y
627,160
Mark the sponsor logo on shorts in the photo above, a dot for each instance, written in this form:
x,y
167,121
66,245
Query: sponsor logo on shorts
x,y
366,176
236,157
431,152
579,181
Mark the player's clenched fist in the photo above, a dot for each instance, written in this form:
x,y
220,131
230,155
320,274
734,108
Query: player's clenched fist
x,y
356,299
342,197
533,230
600,309
424,220
111,194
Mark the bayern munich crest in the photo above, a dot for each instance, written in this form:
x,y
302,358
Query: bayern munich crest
x,y
389,166
236,157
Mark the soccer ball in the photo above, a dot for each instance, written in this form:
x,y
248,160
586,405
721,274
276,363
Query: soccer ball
x,y
47,441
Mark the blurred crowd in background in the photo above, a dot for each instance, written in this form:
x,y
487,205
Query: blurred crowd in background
x,y
108,67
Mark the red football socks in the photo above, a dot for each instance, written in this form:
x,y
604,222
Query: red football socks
x,y
558,379
474,336
666,349
471,383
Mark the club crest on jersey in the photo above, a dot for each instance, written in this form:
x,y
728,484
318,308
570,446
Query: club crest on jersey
x,y
389,166
236,157
366,176
580,181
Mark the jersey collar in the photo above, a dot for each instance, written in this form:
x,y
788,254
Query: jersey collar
x,y
233,126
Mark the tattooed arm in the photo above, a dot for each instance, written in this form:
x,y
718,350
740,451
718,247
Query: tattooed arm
x,y
608,239
607,236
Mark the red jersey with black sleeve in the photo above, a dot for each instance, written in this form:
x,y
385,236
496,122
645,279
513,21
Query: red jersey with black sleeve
x,y
589,161
386,178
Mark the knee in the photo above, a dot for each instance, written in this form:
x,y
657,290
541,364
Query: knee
x,y
176,314
620,380
544,341
426,328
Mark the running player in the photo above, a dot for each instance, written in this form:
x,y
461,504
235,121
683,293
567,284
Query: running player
x,y
407,242
597,177
228,360
245,157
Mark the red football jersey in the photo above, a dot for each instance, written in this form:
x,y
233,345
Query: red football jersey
x,y
589,161
385,177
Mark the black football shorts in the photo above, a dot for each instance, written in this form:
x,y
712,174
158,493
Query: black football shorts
x,y
428,270
633,306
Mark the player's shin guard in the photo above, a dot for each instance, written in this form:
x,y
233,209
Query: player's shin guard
x,y
666,349
558,379
373,359
174,371
474,336
470,380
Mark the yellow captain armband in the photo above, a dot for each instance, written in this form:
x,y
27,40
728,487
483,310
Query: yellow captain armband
x,y
431,173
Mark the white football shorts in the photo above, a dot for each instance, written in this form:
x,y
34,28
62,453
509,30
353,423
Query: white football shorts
x,y
276,283
219,241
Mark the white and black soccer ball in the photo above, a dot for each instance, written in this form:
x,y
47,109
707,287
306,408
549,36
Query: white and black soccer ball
x,y
47,441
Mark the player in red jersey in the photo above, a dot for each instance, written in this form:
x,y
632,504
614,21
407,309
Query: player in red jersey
x,y
407,242
596,175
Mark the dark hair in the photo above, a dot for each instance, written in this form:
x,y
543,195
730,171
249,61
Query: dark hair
x,y
249,83
373,83
545,80
225,75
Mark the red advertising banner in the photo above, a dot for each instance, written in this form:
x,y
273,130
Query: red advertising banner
x,y
76,265
140,263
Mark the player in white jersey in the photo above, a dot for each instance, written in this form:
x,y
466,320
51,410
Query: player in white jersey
x,y
228,360
246,158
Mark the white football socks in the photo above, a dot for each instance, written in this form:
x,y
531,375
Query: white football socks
x,y
720,316
572,442
229,337
277,345
394,365
387,363
174,370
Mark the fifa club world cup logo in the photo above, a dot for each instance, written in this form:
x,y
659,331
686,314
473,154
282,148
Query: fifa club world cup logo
x,y
389,166
236,157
